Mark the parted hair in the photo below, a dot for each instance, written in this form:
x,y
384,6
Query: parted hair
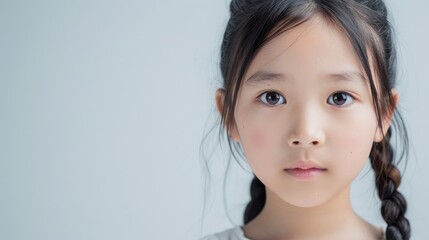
x,y
366,23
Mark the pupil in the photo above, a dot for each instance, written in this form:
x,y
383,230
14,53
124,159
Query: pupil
x,y
340,98
272,98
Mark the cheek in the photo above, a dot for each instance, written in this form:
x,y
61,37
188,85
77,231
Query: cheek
x,y
360,141
351,142
353,145
256,143
355,134
258,140
255,133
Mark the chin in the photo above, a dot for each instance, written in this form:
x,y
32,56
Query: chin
x,y
306,200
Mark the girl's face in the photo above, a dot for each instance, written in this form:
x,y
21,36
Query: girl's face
x,y
304,100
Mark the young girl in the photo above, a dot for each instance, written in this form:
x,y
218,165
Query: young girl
x,y
309,97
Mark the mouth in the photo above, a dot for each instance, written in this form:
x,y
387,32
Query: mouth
x,y
305,174
305,170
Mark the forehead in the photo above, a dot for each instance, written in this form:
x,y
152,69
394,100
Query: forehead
x,y
309,50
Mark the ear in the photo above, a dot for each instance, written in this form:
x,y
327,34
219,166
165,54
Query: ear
x,y
220,98
388,119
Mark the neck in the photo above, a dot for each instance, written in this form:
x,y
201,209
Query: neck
x,y
279,219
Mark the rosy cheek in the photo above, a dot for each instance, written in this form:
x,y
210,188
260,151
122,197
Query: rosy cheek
x,y
355,145
259,140
351,142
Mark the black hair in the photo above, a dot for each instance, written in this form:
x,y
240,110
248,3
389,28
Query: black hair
x,y
366,23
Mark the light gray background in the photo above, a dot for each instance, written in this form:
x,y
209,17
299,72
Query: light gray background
x,y
103,105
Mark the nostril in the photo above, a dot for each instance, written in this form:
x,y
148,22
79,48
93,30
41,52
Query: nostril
x,y
310,143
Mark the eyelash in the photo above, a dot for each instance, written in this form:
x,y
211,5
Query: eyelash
x,y
348,97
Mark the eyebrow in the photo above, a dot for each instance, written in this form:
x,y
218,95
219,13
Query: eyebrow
x,y
351,76
265,76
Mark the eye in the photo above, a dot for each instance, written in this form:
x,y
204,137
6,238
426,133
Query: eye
x,y
272,98
341,99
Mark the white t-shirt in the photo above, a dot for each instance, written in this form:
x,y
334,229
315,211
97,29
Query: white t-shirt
x,y
237,233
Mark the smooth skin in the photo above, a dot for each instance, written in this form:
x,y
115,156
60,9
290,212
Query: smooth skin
x,y
304,98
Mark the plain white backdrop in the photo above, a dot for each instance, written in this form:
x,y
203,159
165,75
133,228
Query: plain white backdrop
x,y
104,104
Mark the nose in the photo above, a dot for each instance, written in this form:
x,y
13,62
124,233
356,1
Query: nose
x,y
301,142
306,130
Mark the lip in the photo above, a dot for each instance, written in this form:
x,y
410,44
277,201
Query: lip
x,y
305,165
305,170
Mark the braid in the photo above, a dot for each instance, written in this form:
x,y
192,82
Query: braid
x,y
257,201
388,179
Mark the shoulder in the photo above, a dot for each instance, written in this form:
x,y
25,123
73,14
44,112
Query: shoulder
x,y
235,233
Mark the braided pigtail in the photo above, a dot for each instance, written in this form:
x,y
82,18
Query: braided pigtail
x,y
257,201
388,179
